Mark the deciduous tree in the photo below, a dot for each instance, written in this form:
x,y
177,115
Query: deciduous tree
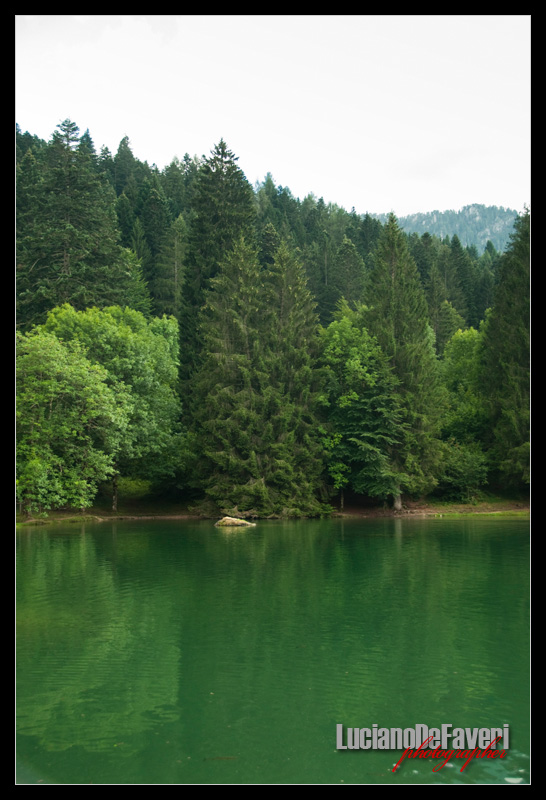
x,y
363,418
71,423
140,356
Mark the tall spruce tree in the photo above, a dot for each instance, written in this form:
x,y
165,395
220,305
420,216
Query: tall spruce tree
x,y
296,384
228,388
126,219
68,246
349,273
155,220
223,204
170,270
463,266
398,318
506,360
255,391
124,166
222,212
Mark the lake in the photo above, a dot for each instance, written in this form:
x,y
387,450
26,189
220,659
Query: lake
x,y
175,652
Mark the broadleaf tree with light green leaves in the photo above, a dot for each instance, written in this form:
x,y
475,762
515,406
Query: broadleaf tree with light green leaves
x,y
140,356
362,408
71,423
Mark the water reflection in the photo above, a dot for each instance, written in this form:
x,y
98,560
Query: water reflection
x,y
174,653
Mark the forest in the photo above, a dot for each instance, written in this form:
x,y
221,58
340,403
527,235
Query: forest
x,y
250,352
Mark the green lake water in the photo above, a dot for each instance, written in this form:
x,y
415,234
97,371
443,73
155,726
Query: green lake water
x,y
180,653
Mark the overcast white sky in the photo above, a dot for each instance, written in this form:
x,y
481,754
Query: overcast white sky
x,y
383,113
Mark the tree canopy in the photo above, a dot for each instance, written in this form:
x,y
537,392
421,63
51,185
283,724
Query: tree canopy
x,y
252,350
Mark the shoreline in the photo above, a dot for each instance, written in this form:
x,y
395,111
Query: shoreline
x,y
415,510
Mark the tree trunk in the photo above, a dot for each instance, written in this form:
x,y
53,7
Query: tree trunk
x,y
397,503
115,492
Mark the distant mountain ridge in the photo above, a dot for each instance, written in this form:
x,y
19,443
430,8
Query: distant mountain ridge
x,y
474,225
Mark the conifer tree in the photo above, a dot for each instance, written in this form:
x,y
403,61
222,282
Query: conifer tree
x,y
106,165
269,244
486,279
450,277
292,364
155,220
423,250
349,273
126,219
398,318
137,295
228,388
255,392
506,360
222,212
124,165
448,322
68,240
223,204
140,247
436,296
87,146
461,264
176,180
170,270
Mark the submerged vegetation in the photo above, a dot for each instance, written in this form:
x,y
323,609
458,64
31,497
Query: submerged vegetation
x,y
251,353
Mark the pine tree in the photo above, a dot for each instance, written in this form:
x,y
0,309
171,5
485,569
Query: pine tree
x,y
140,247
170,270
25,141
255,392
450,278
228,388
87,147
436,296
269,244
155,220
486,279
506,360
398,318
449,321
68,249
461,264
176,180
223,203
126,219
222,212
295,385
106,165
349,273
124,165
423,251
